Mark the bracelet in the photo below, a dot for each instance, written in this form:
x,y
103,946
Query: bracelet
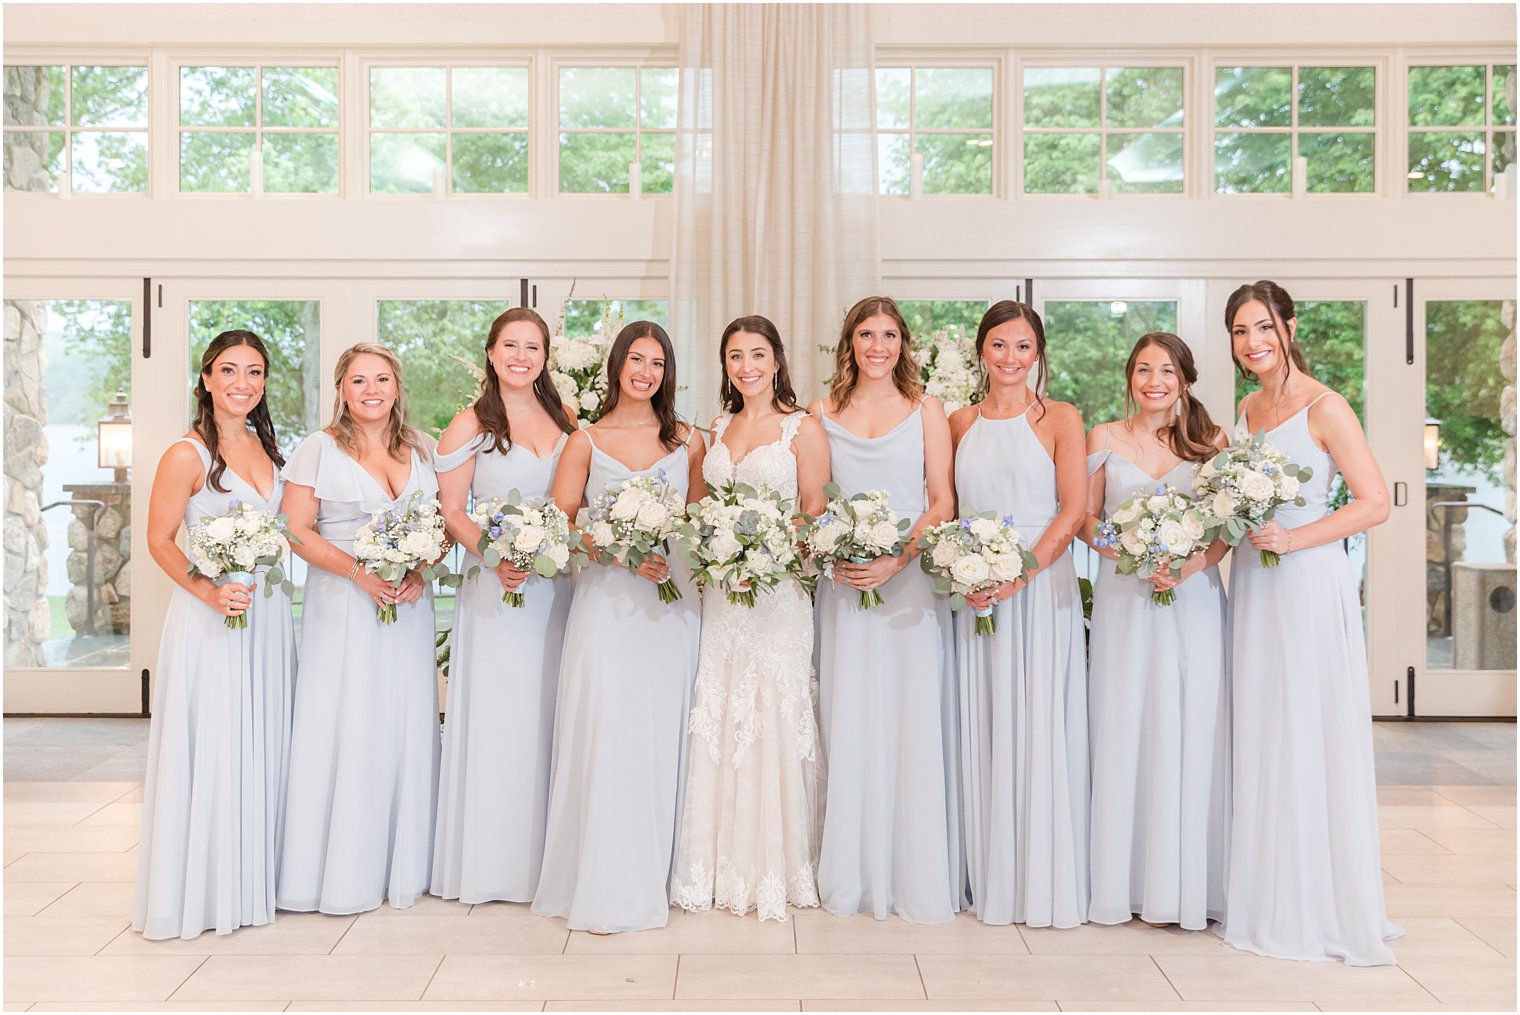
x,y
353,570
1290,540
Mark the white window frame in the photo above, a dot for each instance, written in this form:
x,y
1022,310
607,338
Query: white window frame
x,y
1489,59
914,60
638,60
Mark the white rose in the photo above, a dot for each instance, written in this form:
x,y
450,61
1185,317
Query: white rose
x,y
1172,536
245,556
1206,470
601,533
559,553
944,554
969,570
1223,505
419,545
1156,503
1007,566
1287,486
984,529
1127,513
566,386
590,400
883,535
1192,524
529,538
1254,485
627,505
1134,544
206,566
1146,527
221,529
723,545
652,516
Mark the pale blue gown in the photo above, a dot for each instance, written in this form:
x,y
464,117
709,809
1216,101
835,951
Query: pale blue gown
x,y
1158,710
1023,701
364,746
891,827
1304,877
625,691
217,750
493,791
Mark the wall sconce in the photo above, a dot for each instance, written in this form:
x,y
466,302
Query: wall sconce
x,y
114,437
1432,444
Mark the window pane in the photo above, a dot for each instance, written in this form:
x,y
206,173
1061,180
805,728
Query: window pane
x,y
1145,163
893,163
301,163
404,163
893,87
956,163
657,163
407,96
597,97
34,96
1445,162
1253,96
215,163
490,96
491,163
300,96
1504,94
1061,96
215,96
953,97
595,163
657,97
1145,96
1061,163
583,317
33,160
1336,96
1504,152
110,162
441,345
1338,163
925,316
1446,96
1252,163
110,96
1089,341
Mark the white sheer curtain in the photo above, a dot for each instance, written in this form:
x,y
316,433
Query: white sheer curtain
x,y
775,183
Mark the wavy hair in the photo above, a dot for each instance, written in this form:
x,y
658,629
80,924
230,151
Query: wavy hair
x,y
1001,313
1191,434
664,399
399,434
783,398
205,410
1280,307
491,411
905,375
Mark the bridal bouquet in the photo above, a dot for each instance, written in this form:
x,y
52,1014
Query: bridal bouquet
x,y
578,366
397,540
973,554
858,529
740,539
632,519
1243,486
948,366
1154,532
226,548
533,534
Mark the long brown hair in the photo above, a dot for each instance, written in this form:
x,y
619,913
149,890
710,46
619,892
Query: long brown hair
x,y
491,411
1001,313
205,410
783,398
905,375
1192,432
664,400
399,434
1280,307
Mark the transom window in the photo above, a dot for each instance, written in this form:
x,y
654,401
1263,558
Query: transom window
x,y
76,128
615,122
1461,127
459,130
942,115
1265,117
1087,129
258,130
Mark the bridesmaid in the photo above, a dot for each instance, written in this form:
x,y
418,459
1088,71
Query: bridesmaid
x,y
627,669
1159,683
359,816
219,739
891,820
1304,878
493,792
1024,689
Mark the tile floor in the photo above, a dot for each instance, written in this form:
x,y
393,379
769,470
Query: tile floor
x,y
71,809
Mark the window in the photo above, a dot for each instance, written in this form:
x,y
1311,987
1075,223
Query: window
x,y
1265,117
1461,127
460,130
944,116
612,119
78,129
584,317
1088,130
924,317
249,130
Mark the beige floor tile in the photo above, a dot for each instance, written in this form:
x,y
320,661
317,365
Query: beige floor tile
x,y
1252,977
1430,868
692,934
1454,900
98,977
60,935
1344,1005
821,933
1503,817
1468,841
127,814
1116,977
901,1005
73,867
427,905
1133,938
1404,796
1489,796
1457,979
417,1006
29,898
59,792
29,812
162,1006
71,838
310,978
553,977
26,1005
1188,1006
92,898
670,1006
1406,840
787,976
290,934
11,856
1431,817
1498,933
1425,935
447,935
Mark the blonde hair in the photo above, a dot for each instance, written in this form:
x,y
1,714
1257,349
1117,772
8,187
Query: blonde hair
x,y
399,434
905,375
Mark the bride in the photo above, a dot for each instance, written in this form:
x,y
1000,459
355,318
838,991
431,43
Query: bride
x,y
750,827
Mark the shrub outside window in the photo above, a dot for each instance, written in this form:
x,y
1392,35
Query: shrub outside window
x,y
288,115
464,129
944,115
611,118
80,128
1461,127
1085,127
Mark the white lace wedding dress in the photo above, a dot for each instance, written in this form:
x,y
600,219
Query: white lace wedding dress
x,y
752,817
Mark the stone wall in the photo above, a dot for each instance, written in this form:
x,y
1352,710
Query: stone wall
x,y
27,92
112,580
28,619
1507,420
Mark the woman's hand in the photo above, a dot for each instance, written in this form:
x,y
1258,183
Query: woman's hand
x,y
1272,536
988,598
655,568
411,588
1163,579
511,575
377,588
231,599
871,575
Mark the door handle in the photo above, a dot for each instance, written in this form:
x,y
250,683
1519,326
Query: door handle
x,y
1400,494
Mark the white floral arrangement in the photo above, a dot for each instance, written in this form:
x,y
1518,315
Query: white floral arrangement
x,y
859,529
231,547
397,540
578,365
740,539
947,365
973,554
1243,486
1154,532
633,519
533,534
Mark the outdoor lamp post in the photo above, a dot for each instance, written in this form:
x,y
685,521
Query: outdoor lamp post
x,y
1432,443
114,437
